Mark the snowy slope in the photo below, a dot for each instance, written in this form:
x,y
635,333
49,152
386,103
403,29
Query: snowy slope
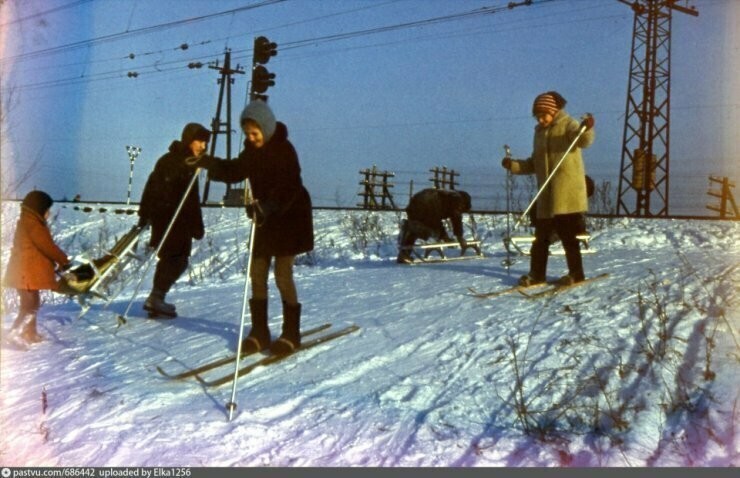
x,y
638,369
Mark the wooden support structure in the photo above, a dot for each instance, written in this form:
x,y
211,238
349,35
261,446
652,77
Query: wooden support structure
x,y
726,200
443,178
376,191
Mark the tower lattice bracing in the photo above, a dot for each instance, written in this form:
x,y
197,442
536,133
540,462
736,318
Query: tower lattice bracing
x,y
645,166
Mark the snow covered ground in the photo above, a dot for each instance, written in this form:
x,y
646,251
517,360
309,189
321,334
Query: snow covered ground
x,y
638,369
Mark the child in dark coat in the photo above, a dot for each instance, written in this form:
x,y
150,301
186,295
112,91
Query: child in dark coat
x,y
164,189
284,220
426,212
32,263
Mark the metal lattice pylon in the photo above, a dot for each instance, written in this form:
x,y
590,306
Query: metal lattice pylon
x,y
644,172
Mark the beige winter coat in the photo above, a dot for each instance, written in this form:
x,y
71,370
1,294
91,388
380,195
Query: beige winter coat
x,y
566,192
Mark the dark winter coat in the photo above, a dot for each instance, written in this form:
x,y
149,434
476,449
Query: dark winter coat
x,y
432,206
274,175
34,253
566,192
162,194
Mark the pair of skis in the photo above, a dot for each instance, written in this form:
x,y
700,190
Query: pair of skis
x,y
264,361
536,290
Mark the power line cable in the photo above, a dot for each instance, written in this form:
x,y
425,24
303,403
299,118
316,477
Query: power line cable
x,y
46,12
138,31
306,42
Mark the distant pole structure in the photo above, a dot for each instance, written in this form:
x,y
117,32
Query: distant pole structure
x,y
727,206
133,153
443,178
373,179
222,127
644,172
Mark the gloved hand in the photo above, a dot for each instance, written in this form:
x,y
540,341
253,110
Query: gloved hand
x,y
203,161
506,163
260,211
588,121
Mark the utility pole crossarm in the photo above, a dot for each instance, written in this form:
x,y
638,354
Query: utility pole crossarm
x,y
688,10
636,5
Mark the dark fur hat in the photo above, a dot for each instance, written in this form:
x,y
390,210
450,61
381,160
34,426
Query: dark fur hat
x,y
466,203
194,131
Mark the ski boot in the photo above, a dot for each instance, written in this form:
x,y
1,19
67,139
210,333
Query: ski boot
x,y
157,307
527,280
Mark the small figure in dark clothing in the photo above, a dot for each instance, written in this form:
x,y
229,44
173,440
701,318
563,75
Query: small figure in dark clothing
x,y
162,194
426,212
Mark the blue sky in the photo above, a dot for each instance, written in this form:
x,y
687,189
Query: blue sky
x,y
407,99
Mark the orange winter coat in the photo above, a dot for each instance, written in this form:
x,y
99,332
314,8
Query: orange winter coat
x,y
31,264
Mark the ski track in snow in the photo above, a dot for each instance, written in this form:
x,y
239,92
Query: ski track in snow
x,y
428,380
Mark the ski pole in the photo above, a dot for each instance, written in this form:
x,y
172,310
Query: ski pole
x,y
122,318
582,129
231,406
507,241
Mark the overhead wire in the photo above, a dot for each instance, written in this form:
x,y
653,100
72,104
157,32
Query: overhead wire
x,y
138,31
285,46
45,12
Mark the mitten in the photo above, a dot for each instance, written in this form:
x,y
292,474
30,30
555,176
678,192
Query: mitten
x,y
587,121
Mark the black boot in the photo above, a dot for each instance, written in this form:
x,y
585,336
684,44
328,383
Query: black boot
x,y
537,264
290,339
156,306
574,260
259,335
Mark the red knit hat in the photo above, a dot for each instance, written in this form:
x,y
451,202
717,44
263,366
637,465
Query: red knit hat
x,y
545,103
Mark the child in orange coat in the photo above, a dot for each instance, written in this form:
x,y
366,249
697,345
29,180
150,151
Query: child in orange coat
x,y
32,263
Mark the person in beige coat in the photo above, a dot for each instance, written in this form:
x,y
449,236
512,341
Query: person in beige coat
x,y
562,205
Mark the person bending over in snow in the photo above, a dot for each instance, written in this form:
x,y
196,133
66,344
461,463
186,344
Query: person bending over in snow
x,y
425,213
561,207
32,262
162,194
283,220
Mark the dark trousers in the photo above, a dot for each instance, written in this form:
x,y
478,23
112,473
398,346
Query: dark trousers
x,y
411,230
174,258
169,269
567,227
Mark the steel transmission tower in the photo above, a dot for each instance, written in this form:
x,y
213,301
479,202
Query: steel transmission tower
x,y
644,172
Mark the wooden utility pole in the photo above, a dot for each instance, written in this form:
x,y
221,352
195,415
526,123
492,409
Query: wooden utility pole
x,y
218,126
